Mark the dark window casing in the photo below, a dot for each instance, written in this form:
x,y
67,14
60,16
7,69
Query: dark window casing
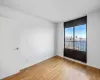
x,y
71,53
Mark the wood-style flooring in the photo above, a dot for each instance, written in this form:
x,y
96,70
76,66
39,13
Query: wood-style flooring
x,y
57,68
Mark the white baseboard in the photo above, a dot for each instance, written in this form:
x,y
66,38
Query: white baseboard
x,y
36,62
4,76
79,62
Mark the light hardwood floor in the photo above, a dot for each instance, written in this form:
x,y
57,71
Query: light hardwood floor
x,y
57,68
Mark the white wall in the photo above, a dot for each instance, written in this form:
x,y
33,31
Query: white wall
x,y
35,38
60,39
93,39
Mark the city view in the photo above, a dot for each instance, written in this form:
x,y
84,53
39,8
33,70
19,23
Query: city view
x,y
76,39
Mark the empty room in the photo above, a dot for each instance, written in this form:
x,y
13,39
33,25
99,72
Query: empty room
x,y
49,39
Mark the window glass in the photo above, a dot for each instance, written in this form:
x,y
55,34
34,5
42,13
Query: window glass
x,y
75,37
69,38
80,37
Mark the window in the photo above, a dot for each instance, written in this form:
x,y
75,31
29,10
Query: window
x,y
75,39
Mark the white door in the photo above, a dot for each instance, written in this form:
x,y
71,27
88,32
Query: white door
x,y
9,56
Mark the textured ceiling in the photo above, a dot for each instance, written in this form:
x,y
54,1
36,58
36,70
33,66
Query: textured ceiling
x,y
55,10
